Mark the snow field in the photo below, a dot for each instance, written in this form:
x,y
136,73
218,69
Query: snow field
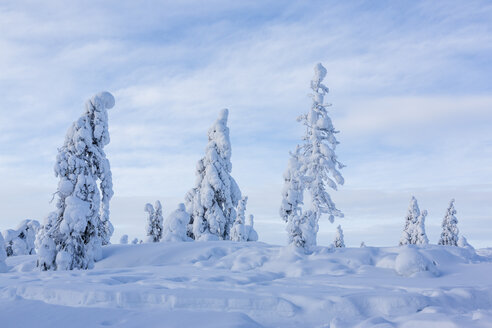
x,y
254,284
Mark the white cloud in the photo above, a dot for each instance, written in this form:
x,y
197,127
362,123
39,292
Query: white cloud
x,y
409,86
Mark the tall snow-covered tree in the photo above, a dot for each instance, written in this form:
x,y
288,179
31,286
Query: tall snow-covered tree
x,y
175,225
338,242
420,237
409,231
213,200
449,234
320,164
238,232
318,169
154,222
72,235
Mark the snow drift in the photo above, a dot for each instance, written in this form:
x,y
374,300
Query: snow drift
x,y
251,284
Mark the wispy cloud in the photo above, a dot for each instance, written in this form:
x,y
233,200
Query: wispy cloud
x,y
410,91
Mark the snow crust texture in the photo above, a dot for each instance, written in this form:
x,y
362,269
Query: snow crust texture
x,y
251,284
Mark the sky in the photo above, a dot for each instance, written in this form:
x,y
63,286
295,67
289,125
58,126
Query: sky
x,y
410,87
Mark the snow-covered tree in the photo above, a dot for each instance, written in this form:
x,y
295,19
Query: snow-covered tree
x,y
250,230
175,225
72,235
3,255
409,231
21,240
449,234
292,200
135,241
338,242
213,200
238,232
462,242
363,244
420,237
154,222
124,240
317,169
319,162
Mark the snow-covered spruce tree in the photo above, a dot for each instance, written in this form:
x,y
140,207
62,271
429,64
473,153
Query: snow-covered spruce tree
x,y
318,168
292,197
72,235
124,240
21,240
175,225
319,162
420,237
3,255
250,229
212,202
449,234
135,241
409,231
154,222
338,242
238,231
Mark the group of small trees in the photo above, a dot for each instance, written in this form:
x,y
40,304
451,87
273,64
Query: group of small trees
x,y
414,230
215,209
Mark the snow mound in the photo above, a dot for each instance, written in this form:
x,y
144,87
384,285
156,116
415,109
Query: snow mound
x,y
410,261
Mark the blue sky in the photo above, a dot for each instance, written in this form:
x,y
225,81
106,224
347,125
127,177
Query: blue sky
x,y
410,81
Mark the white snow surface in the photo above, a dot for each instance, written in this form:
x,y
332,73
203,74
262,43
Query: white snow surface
x,y
252,284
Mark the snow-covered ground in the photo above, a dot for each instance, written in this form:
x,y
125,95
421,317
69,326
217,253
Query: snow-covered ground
x,y
229,284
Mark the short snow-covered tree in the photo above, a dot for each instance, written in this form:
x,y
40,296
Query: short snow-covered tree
x,y
409,231
212,202
238,232
3,255
72,235
420,237
154,222
250,230
124,240
135,241
292,200
462,242
21,240
318,169
449,234
339,242
175,225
